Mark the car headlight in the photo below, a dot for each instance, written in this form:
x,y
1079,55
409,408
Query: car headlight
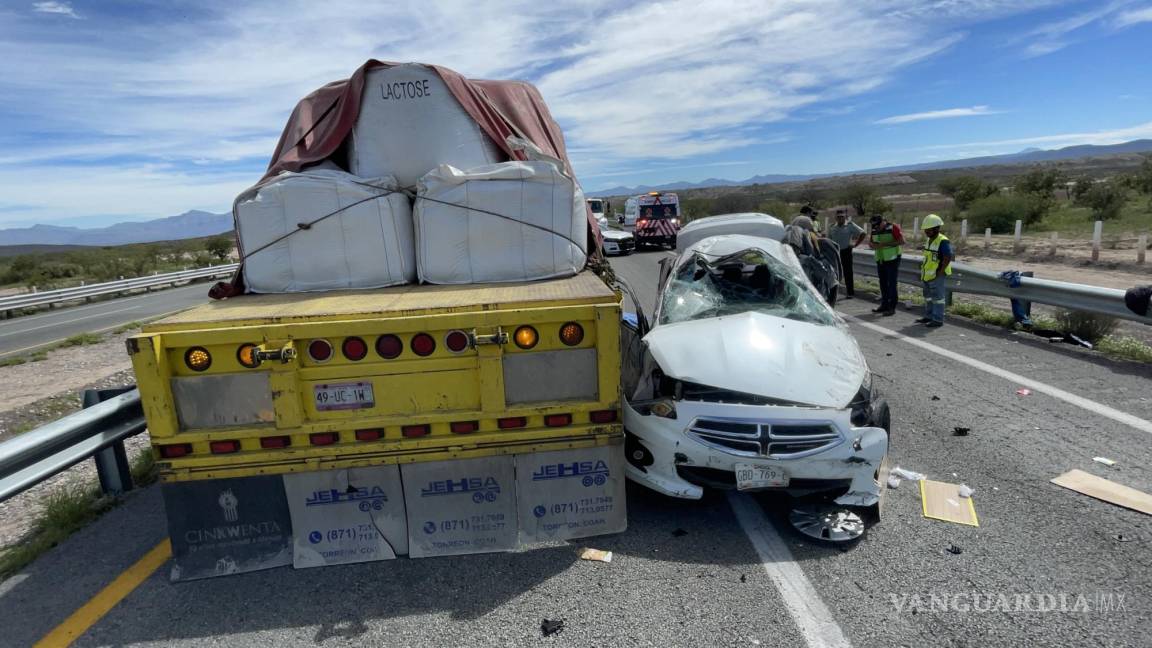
x,y
662,407
862,403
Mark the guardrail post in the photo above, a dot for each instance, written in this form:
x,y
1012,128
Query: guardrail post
x,y
1097,233
987,238
1141,247
1016,236
1052,245
112,462
915,229
964,231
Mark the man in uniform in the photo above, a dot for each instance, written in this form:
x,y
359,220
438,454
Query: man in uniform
x,y
847,235
886,241
936,266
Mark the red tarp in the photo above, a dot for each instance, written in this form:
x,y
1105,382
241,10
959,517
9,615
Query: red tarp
x,y
323,119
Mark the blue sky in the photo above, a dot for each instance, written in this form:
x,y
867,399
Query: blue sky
x,y
119,111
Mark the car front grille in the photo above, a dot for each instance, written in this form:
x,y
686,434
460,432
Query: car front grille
x,y
748,438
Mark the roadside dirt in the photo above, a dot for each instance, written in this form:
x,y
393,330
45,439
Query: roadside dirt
x,y
65,369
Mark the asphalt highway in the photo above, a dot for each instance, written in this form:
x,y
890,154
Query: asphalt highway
x,y
1046,567
24,334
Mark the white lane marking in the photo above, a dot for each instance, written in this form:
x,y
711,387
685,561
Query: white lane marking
x,y
1034,385
805,606
78,319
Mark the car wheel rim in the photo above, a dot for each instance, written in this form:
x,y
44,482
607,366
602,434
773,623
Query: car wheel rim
x,y
828,524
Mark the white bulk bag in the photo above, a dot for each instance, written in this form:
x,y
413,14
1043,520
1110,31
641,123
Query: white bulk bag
x,y
367,245
410,123
457,242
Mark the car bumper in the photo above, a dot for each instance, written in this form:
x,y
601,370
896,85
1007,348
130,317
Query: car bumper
x,y
619,247
666,457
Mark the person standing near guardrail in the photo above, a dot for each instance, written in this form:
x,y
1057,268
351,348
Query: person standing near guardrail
x,y
937,265
847,235
886,241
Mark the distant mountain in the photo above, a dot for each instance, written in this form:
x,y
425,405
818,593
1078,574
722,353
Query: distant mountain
x,y
1027,156
191,224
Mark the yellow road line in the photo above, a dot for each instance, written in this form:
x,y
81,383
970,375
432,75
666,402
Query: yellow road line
x,y
99,605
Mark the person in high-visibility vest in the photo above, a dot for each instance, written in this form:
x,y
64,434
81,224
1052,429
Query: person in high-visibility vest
x,y
936,266
886,239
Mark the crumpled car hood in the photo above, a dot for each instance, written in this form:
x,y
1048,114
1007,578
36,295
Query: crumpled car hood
x,y
615,235
763,355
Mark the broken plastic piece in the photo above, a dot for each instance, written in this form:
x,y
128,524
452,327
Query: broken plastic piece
x,y
961,431
1104,460
1023,391
893,481
834,525
551,626
910,475
965,490
935,398
954,550
596,554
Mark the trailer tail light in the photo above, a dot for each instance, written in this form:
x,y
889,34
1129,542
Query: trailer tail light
x,y
323,438
456,341
526,337
558,420
389,347
273,442
174,450
354,348
512,422
413,431
224,447
423,344
464,427
320,350
604,416
372,434
198,358
246,356
571,334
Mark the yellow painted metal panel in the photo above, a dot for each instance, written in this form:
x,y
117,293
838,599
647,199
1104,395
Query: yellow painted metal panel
x,y
152,370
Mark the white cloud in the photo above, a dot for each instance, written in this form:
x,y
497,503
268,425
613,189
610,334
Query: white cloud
x,y
1134,17
1113,136
51,7
938,114
196,104
1054,36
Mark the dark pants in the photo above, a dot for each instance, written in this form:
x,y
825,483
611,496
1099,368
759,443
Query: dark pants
x,y
846,270
889,272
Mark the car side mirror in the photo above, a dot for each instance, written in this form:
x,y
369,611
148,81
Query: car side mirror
x,y
635,321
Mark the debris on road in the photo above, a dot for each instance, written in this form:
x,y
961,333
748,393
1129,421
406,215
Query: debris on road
x,y
1023,391
1106,490
596,554
935,398
1104,460
961,431
551,626
910,475
831,524
942,501
1120,537
743,578
966,490
954,550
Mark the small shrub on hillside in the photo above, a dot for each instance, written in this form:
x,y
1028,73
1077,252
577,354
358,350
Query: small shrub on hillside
x,y
1105,199
1087,326
1000,212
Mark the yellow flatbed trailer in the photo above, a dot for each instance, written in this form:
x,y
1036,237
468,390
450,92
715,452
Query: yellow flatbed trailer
x,y
273,384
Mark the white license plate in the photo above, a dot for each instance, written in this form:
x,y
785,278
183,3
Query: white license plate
x,y
343,396
752,476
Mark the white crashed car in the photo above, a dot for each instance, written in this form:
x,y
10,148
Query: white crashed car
x,y
618,241
746,378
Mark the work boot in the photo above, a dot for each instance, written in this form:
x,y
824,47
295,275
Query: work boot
x,y
889,313
934,324
879,309
923,320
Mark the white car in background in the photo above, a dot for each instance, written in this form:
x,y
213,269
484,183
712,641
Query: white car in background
x,y
746,378
617,242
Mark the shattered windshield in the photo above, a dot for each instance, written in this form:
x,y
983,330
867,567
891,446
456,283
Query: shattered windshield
x,y
748,281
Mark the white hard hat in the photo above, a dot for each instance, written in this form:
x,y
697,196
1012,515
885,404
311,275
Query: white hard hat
x,y
930,221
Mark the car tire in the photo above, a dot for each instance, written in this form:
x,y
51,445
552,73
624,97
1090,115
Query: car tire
x,y
882,416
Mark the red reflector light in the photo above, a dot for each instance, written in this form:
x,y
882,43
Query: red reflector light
x,y
275,442
389,346
464,427
354,348
512,422
603,416
175,450
320,350
323,438
558,420
369,435
224,447
456,341
411,431
423,344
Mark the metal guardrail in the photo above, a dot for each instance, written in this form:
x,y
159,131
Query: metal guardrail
x,y
49,297
110,416
976,281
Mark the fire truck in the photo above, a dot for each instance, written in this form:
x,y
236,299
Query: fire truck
x,y
657,218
